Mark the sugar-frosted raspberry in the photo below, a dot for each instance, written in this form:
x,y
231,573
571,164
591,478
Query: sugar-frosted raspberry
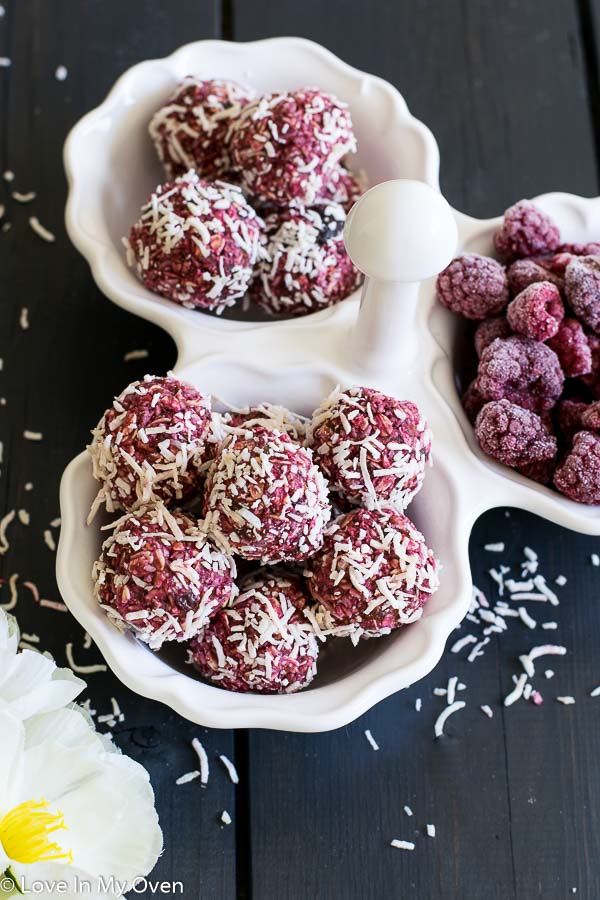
x,y
190,130
474,286
523,371
490,329
582,287
592,248
374,573
572,348
472,400
592,379
537,311
524,272
513,435
567,418
578,475
541,471
525,231
590,417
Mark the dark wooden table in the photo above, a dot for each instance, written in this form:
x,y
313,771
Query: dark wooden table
x,y
511,92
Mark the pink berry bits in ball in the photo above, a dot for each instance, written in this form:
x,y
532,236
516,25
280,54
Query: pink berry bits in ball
x,y
578,475
490,329
262,642
523,371
524,272
265,499
582,287
572,348
513,435
473,286
190,130
525,231
160,576
196,243
306,267
151,444
537,311
374,573
372,447
286,146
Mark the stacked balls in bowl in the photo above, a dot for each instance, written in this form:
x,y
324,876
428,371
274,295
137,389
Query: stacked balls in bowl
x,y
310,511
255,202
535,398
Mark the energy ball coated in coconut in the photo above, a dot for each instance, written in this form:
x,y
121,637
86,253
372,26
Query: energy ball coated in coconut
x,y
343,187
190,130
265,498
374,573
267,415
305,267
286,146
372,448
262,642
160,576
196,243
151,444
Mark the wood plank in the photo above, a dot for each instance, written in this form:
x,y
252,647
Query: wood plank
x,y
513,798
60,374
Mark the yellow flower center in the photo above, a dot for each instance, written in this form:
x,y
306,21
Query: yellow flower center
x,y
25,834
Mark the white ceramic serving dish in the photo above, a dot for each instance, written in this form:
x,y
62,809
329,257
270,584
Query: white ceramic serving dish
x,y
400,341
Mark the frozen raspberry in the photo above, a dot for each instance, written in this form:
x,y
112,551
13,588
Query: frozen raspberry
x,y
513,435
190,131
590,249
524,272
265,498
473,286
590,417
537,311
592,380
525,231
490,329
541,471
286,146
374,573
567,418
306,267
582,287
578,475
160,576
372,447
472,401
572,348
151,444
196,243
523,371
263,641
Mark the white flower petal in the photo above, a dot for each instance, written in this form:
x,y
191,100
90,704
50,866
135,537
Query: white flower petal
x,y
9,635
54,874
68,727
12,741
31,683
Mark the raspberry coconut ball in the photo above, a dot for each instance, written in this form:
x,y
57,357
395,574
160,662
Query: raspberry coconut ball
x,y
265,499
267,415
523,371
525,231
190,130
287,146
582,287
342,187
473,286
306,267
161,577
373,448
196,243
374,573
151,444
262,642
578,475
537,311
513,435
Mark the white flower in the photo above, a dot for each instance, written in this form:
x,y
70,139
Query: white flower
x,y
72,808
30,683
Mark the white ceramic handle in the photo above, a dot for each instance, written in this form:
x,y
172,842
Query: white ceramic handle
x,y
398,234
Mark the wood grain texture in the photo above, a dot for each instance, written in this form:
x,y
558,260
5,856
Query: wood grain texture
x,y
60,374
